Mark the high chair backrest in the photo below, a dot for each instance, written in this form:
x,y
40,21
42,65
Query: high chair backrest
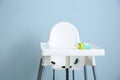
x,y
63,35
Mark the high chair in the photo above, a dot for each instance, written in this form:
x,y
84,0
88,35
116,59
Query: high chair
x,y
61,53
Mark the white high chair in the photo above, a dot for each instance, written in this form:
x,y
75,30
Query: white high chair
x,y
65,36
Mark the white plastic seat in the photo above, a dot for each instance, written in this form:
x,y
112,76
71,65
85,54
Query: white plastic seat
x,y
64,35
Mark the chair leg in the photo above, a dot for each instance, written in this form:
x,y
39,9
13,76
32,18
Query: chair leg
x,y
53,74
94,72
39,77
67,74
85,72
73,74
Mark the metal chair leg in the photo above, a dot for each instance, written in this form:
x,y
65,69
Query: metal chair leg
x,y
73,74
85,72
39,77
94,72
67,74
53,74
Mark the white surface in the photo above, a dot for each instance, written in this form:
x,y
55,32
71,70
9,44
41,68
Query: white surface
x,y
46,50
63,35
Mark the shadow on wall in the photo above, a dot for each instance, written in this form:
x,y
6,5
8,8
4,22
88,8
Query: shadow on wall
x,y
24,59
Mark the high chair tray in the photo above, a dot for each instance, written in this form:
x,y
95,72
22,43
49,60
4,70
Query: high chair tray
x,y
46,50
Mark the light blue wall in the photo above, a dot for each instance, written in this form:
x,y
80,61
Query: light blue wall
x,y
26,23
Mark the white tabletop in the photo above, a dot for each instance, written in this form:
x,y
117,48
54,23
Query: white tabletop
x,y
47,51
